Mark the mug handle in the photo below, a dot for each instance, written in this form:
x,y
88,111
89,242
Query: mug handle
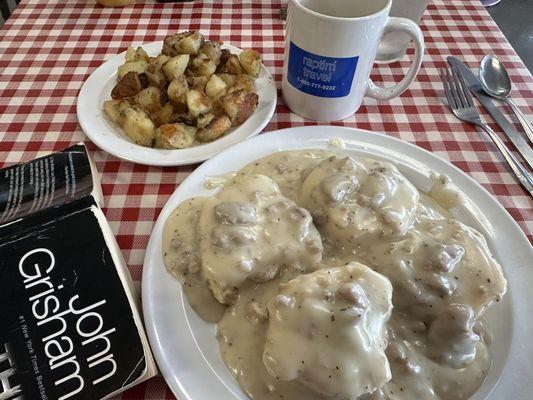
x,y
413,30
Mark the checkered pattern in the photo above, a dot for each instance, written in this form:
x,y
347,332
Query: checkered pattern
x,y
49,47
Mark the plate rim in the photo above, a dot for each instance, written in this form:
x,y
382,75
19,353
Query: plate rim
x,y
160,159
472,185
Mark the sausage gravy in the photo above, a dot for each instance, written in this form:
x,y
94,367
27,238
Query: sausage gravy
x,y
335,278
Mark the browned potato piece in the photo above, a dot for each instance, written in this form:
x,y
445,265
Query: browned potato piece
x,y
178,89
158,62
170,42
202,65
154,71
233,65
243,82
197,82
214,129
215,87
198,103
110,109
138,126
251,62
114,109
154,101
156,79
239,105
212,50
217,109
149,99
227,78
174,136
162,115
204,119
138,66
133,54
176,66
190,44
129,85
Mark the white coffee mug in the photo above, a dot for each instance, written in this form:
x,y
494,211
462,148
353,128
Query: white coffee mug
x,y
330,48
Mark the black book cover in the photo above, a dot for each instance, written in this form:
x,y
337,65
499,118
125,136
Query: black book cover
x,y
69,325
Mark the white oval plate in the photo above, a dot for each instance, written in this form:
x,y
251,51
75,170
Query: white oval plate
x,y
106,135
185,347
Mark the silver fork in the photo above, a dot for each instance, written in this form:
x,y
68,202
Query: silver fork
x,y
461,103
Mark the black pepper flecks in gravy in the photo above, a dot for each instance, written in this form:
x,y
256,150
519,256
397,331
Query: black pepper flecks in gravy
x,y
442,272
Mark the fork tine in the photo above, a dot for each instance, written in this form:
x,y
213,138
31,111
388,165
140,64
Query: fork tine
x,y
461,87
458,90
464,86
445,77
453,89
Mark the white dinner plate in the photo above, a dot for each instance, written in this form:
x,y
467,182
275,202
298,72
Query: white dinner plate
x,y
109,137
185,346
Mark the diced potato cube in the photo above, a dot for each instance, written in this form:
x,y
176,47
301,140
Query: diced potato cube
x,y
215,87
216,128
202,65
142,54
243,82
233,65
190,44
154,72
197,82
157,79
129,85
149,98
227,78
217,109
138,127
170,42
239,105
114,110
251,62
178,89
212,50
133,54
204,119
198,103
176,66
175,136
163,114
157,63
138,66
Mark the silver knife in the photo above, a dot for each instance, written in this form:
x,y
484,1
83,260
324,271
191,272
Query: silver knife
x,y
512,134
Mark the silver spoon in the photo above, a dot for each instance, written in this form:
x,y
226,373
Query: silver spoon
x,y
496,83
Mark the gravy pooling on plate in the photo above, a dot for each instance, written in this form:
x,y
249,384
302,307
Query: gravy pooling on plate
x,y
258,230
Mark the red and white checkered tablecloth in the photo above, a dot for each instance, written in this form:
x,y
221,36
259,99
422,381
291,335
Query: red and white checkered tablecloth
x,y
49,47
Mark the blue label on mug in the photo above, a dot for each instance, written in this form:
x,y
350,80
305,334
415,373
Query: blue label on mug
x,y
319,75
